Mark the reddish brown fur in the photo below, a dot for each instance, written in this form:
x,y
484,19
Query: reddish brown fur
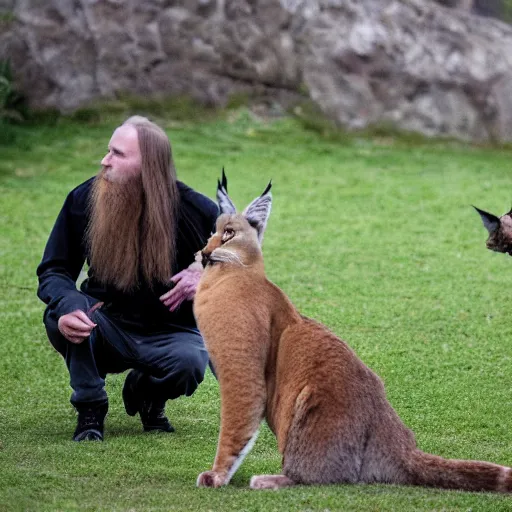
x,y
328,410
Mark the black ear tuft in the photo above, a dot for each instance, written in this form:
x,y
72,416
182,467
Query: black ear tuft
x,y
258,211
224,180
222,185
223,200
491,222
269,186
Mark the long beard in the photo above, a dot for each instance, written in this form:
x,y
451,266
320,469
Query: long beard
x,y
122,249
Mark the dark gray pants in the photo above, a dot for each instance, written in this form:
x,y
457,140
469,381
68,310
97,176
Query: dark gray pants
x,y
173,362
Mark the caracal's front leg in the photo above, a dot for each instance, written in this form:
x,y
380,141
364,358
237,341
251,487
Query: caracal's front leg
x,y
242,395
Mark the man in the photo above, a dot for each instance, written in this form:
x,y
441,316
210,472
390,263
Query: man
x,y
136,226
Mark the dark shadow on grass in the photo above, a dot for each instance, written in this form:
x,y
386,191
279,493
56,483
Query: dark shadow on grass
x,y
127,431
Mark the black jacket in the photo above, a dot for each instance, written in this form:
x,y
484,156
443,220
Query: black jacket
x,y
66,252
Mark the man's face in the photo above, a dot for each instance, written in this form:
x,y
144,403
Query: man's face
x,y
123,160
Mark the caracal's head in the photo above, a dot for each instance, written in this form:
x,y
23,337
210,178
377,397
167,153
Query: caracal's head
x,y
238,236
500,231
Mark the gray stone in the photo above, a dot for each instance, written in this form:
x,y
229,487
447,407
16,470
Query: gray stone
x,y
413,63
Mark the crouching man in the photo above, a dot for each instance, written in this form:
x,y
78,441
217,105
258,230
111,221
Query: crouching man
x,y
138,228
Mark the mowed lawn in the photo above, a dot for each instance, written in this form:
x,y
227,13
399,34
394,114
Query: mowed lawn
x,y
373,236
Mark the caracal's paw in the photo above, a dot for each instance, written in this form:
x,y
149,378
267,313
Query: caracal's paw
x,y
211,479
273,482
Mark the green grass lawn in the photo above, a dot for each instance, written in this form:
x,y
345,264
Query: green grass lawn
x,y
374,237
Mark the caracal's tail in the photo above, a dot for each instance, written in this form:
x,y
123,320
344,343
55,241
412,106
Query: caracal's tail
x,y
433,471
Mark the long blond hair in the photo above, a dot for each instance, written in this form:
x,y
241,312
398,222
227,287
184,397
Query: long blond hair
x,y
133,227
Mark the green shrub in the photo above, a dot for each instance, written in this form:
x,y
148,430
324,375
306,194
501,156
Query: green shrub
x,y
13,106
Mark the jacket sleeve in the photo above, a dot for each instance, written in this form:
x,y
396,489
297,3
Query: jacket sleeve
x,y
62,261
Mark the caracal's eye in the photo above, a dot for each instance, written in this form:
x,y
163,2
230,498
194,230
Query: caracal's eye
x,y
228,234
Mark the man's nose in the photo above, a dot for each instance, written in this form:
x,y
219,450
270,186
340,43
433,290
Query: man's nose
x,y
105,159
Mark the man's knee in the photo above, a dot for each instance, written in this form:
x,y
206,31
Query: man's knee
x,y
52,331
188,371
192,364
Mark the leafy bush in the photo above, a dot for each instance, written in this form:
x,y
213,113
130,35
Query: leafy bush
x,y
13,107
507,11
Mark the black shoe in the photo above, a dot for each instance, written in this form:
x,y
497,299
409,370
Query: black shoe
x,y
154,419
151,414
90,423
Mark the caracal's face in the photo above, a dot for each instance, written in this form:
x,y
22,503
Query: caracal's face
x,y
123,160
232,233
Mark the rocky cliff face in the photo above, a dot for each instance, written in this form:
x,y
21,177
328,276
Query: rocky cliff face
x,y
413,63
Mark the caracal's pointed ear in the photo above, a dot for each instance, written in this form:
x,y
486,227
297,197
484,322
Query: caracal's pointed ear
x,y
258,212
491,222
223,200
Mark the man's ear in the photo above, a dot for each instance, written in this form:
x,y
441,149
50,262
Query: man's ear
x,y
491,222
223,200
258,212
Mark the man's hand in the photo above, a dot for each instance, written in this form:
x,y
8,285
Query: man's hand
x,y
76,326
185,286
